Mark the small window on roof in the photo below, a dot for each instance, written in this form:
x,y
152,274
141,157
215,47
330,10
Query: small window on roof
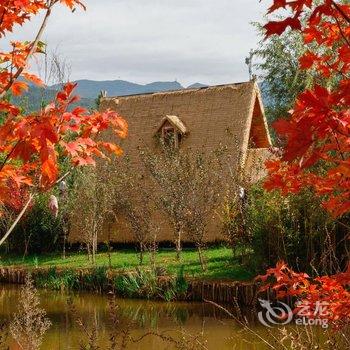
x,y
172,131
171,137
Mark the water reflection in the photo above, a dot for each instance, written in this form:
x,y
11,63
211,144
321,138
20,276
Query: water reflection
x,y
140,316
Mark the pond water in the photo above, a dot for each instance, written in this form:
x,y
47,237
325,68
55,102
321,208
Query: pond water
x,y
217,329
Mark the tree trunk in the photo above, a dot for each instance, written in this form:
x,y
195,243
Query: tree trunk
x,y
153,251
64,241
25,253
141,253
26,243
88,248
94,243
109,253
178,245
26,246
94,249
233,245
64,248
201,258
109,257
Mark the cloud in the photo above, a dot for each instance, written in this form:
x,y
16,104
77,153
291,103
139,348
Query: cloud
x,y
144,41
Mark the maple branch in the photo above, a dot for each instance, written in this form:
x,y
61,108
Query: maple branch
x,y
32,49
344,225
338,145
342,32
8,156
61,178
336,69
19,217
4,13
340,10
24,209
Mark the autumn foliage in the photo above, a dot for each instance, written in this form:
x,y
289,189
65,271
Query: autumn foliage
x,y
317,134
330,291
30,145
317,141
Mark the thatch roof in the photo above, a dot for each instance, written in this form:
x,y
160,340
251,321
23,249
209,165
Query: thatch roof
x,y
231,115
175,122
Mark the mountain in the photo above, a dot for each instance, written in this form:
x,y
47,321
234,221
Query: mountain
x,y
88,90
196,86
35,98
91,88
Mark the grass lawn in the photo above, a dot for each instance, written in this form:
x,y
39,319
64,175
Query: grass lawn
x,y
220,264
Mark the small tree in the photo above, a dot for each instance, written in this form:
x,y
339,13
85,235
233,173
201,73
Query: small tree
x,y
171,183
93,202
282,79
234,220
187,184
141,225
201,199
133,198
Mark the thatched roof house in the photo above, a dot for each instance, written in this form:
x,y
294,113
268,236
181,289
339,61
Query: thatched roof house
x,y
203,118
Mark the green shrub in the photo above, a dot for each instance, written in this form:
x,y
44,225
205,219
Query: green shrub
x,y
64,280
142,283
97,279
294,228
146,284
70,279
180,285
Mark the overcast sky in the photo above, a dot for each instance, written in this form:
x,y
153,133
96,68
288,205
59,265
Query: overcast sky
x,y
156,40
